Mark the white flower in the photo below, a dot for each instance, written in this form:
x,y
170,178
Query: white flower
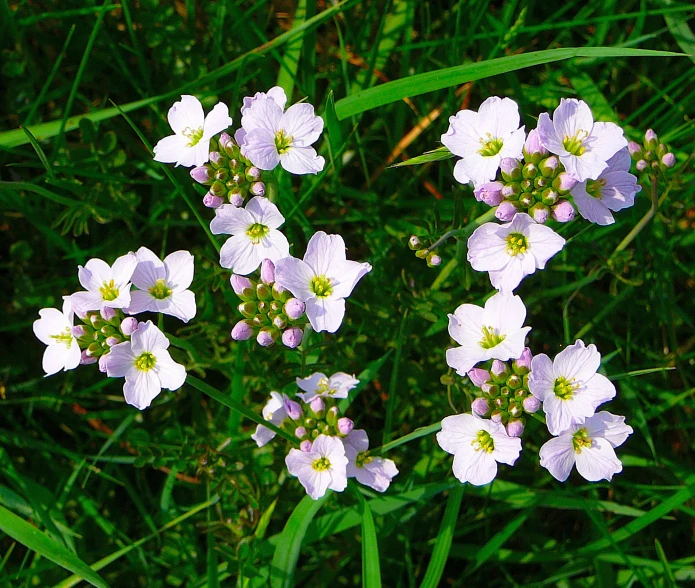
x,y
323,467
583,146
163,286
513,250
493,332
588,445
190,145
54,329
569,386
254,235
323,280
271,136
107,286
484,138
614,189
274,412
371,471
477,445
146,365
337,386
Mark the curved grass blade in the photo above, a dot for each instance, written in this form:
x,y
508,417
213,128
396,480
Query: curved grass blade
x,y
290,541
371,572
28,535
438,154
440,553
453,76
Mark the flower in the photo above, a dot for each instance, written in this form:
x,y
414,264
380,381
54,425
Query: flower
x,y
512,251
274,412
569,386
323,280
484,138
477,445
375,472
146,365
107,286
583,146
492,332
590,445
163,285
271,136
318,385
254,234
190,143
54,329
322,467
614,189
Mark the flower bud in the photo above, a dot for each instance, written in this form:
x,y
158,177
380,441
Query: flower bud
x,y
635,150
526,200
94,349
306,446
243,287
514,381
300,432
113,340
202,174
263,292
489,193
332,415
253,174
102,362
550,196
414,243
490,389
344,426
433,260
247,309
529,171
236,197
661,150
480,406
541,182
79,331
479,376
499,371
293,409
292,337
267,272
651,141
280,294
257,189
218,160
107,313
129,325
497,416
515,428
515,410
533,150
218,189
422,253
531,404
511,169
564,182
318,407
549,166
563,211
95,320
221,175
242,331
522,365
669,160
86,359
212,201
294,308
641,165
310,423
540,213
506,211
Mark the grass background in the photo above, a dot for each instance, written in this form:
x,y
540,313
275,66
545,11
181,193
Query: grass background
x,y
179,495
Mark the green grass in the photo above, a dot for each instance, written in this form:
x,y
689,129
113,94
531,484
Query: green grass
x,y
179,495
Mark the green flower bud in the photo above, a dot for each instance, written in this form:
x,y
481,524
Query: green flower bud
x,y
217,189
500,402
550,196
221,175
421,253
526,186
310,423
414,243
247,309
540,183
515,410
526,200
514,381
529,171
263,292
661,150
549,167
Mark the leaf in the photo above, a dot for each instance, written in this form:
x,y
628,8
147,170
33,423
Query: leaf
x,y
290,61
438,154
28,535
371,573
460,74
290,541
440,553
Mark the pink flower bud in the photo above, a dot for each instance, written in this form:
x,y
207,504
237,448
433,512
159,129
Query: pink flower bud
x,y
433,260
650,139
108,313
641,165
499,369
242,331
300,432
267,272
634,148
669,160
102,363
129,325
510,168
533,146
515,428
292,337
241,285
480,406
257,189
531,404
306,446
253,174
345,425
524,361
506,211
225,139
496,416
563,211
202,174
111,341
212,201
564,182
293,409
490,193
318,406
540,213
78,331
266,337
479,376
217,158
294,308
86,359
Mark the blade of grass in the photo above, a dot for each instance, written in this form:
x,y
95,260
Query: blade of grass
x,y
371,571
290,61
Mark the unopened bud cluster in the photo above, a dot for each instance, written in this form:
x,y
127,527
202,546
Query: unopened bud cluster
x,y
100,331
321,418
505,393
230,177
421,252
651,155
270,312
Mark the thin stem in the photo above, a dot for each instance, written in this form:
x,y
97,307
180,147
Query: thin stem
x,y
642,223
465,231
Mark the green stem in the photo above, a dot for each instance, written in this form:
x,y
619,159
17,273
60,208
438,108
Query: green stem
x,y
464,231
641,224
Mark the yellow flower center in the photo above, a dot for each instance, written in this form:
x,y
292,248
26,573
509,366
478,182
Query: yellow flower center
x,y
193,135
575,145
491,338
483,442
65,337
321,464
257,231
517,244
363,459
323,387
491,146
145,361
580,440
283,142
595,188
321,286
109,291
564,388
160,290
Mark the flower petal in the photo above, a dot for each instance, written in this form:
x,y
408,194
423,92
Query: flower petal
x,y
259,147
231,220
171,375
325,314
186,114
301,123
120,360
179,304
141,301
558,457
217,120
141,388
179,270
148,270
240,255
598,462
323,252
302,160
294,275
148,338
265,212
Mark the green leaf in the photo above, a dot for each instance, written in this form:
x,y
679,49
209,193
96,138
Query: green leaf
x,y
290,541
371,572
438,154
453,76
440,553
32,538
290,61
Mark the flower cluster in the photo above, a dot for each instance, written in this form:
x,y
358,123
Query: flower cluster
x,y
121,345
652,155
330,450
